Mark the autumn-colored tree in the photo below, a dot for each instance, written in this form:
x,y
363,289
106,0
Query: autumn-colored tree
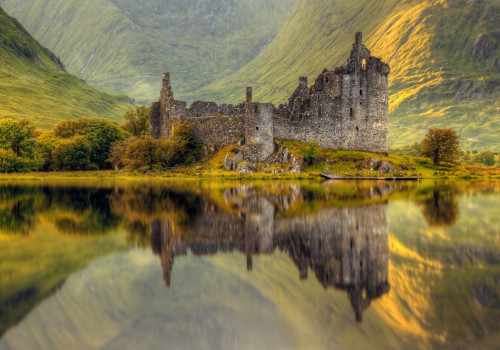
x,y
440,145
137,121
118,153
142,153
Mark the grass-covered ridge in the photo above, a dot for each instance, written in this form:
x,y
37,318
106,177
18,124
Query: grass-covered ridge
x,y
35,85
123,46
442,73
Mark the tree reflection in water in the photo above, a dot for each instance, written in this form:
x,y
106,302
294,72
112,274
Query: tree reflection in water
x,y
440,209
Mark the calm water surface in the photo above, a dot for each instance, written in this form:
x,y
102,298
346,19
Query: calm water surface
x,y
264,265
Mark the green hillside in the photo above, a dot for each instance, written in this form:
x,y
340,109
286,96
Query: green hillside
x,y
123,46
35,85
444,57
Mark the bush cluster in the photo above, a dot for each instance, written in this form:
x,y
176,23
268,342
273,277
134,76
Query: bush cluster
x,y
82,144
93,144
146,152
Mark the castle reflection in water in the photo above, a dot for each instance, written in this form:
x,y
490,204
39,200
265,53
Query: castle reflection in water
x,y
345,247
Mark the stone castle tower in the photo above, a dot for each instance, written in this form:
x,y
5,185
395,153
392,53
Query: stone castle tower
x,y
346,108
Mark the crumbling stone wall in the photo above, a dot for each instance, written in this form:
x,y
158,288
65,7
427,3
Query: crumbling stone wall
x,y
347,108
218,130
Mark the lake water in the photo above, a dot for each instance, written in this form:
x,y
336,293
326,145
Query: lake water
x,y
249,265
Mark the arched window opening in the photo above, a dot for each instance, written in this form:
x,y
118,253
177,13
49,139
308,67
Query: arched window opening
x,y
257,128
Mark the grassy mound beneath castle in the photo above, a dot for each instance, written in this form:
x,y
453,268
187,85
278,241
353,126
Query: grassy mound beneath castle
x,y
319,160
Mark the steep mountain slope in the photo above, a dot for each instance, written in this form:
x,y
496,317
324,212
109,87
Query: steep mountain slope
x,y
444,57
123,46
35,85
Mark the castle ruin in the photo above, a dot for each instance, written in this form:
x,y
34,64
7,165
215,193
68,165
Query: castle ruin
x,y
347,108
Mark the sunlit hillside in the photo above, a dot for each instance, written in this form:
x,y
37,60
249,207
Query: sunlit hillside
x,y
444,57
35,85
123,46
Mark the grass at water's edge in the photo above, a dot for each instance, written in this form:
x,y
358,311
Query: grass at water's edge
x,y
325,161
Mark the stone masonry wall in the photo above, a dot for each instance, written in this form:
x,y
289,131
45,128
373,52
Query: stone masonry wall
x,y
220,130
347,108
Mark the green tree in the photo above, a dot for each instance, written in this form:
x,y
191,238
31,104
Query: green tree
x,y
137,121
184,148
440,145
19,136
485,157
45,147
100,133
103,135
11,162
73,155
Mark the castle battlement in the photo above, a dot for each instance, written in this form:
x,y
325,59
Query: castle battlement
x,y
346,108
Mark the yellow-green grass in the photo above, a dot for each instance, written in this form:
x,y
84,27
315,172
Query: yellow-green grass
x,y
326,161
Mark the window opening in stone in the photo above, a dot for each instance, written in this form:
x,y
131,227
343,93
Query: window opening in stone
x,y
360,92
256,109
363,65
357,129
257,128
351,243
327,79
351,112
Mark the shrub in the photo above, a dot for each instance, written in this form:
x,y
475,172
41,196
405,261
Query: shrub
x,y
311,152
